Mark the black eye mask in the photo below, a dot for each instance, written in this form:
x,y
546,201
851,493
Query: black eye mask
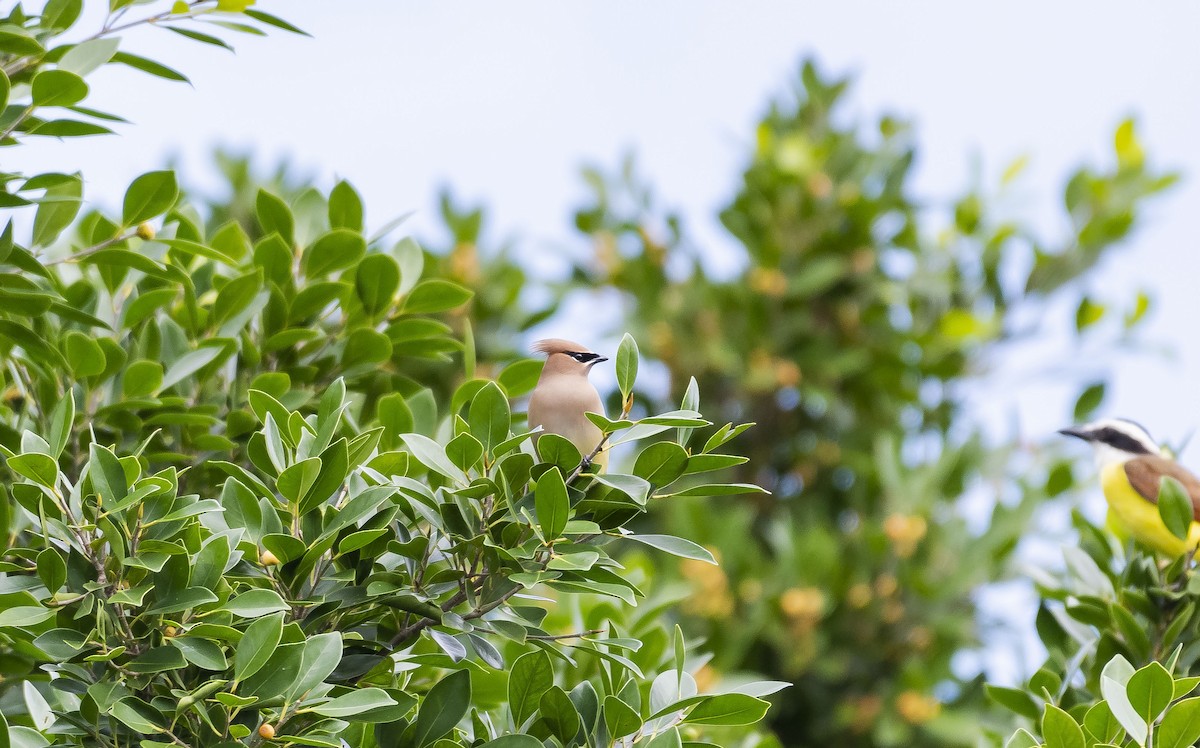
x,y
583,358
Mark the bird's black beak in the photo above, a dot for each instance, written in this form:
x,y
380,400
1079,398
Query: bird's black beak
x,y
1078,434
599,359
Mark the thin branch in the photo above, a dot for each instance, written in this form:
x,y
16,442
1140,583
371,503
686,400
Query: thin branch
x,y
77,256
560,637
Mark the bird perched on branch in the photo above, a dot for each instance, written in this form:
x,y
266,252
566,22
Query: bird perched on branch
x,y
563,394
1132,467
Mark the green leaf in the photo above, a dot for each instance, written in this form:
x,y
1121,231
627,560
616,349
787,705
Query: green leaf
x,y
430,454
85,57
275,21
559,714
514,741
445,704
188,364
376,281
661,463
335,250
198,36
320,658
138,715
255,603
1150,690
60,15
149,66
627,365
108,477
58,209
296,480
431,296
1181,727
142,378
1113,681
346,210
150,195
1023,739
668,738
728,709
257,645
1060,730
51,569
531,676
632,486
489,416
721,489
202,653
84,354
1175,507
520,377
552,504
1088,401
62,421
675,546
1015,699
39,468
58,88
208,565
361,700
25,615
274,216
620,718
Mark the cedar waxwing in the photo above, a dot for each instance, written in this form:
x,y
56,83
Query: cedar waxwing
x,y
563,394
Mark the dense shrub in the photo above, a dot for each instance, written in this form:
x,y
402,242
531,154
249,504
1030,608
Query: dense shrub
x,y
235,509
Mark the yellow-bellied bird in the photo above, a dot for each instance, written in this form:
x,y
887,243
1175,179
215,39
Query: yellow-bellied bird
x,y
563,394
1131,467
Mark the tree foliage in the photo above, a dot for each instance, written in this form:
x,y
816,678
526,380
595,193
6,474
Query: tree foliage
x,y
236,513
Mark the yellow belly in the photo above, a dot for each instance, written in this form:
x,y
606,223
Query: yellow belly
x,y
1133,515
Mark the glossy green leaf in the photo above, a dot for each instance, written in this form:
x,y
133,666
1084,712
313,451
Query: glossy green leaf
x,y
83,354
530,677
627,365
58,209
1175,506
1180,727
39,468
1060,730
1150,689
376,281
257,645
552,504
346,210
275,217
255,603
58,88
148,196
359,700
436,295
51,569
336,250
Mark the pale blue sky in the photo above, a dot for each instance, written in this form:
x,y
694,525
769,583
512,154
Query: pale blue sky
x,y
505,101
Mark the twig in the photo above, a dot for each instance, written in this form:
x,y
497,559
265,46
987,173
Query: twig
x,y
77,256
559,637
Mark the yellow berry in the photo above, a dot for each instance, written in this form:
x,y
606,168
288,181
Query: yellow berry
x,y
145,231
268,559
266,731
170,631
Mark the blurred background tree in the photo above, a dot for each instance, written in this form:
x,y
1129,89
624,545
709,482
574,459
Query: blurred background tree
x,y
853,335
862,320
